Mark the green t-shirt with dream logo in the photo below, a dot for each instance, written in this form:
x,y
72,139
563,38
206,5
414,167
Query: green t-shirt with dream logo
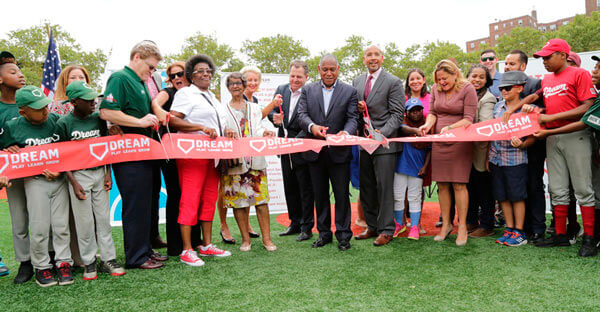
x,y
22,133
7,112
73,128
126,92
592,117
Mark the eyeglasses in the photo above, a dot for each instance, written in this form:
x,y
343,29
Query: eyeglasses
x,y
488,59
175,75
203,71
507,88
150,66
236,83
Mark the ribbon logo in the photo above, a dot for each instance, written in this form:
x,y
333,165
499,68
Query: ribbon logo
x,y
486,130
6,161
99,150
258,145
187,149
336,139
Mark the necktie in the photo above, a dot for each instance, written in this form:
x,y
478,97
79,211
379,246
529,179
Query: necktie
x,y
368,87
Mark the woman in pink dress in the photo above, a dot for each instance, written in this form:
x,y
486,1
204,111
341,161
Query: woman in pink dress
x,y
453,104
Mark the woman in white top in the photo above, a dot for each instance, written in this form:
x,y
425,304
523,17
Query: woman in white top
x,y
245,183
196,110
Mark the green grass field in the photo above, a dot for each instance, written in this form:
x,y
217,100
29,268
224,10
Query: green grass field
x,y
403,276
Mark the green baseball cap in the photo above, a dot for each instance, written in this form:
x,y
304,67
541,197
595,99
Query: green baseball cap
x,y
80,90
31,96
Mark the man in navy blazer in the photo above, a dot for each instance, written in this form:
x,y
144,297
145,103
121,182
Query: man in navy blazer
x,y
296,175
329,106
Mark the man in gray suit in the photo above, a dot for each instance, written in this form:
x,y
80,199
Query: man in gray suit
x,y
328,106
383,96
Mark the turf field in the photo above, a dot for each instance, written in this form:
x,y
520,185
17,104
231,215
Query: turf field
x,y
403,276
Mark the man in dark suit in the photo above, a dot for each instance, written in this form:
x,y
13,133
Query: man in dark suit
x,y
296,176
328,106
383,95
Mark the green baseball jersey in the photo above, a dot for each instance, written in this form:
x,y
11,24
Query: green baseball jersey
x,y
592,117
73,128
7,112
125,91
22,133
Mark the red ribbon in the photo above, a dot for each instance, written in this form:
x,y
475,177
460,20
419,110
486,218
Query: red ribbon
x,y
75,155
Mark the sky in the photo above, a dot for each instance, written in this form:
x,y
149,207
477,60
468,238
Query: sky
x,y
320,25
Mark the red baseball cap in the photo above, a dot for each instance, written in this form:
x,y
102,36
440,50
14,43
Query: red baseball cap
x,y
553,45
573,57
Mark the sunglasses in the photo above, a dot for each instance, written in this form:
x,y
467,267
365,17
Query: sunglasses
x,y
175,75
507,88
150,67
487,59
202,71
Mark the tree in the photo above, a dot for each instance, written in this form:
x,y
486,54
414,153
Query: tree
x,y
434,52
529,40
274,54
350,57
582,33
222,55
400,62
31,44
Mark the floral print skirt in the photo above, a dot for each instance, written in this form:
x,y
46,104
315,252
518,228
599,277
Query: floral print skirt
x,y
245,190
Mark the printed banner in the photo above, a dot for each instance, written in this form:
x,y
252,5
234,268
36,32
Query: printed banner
x,y
519,125
75,155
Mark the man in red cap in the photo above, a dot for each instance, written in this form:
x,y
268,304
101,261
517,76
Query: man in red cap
x,y
568,93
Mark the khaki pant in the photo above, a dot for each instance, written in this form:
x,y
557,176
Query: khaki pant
x,y
19,219
94,207
48,208
569,156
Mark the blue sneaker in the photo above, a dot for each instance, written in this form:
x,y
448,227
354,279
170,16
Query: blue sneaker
x,y
504,237
3,268
516,239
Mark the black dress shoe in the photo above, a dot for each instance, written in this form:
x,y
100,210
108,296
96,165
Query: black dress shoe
x,y
25,273
304,236
536,237
227,241
291,230
344,245
321,242
254,234
158,257
158,243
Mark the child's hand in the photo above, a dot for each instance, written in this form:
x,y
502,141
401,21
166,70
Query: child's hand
x,y
540,134
107,182
78,189
4,182
516,142
527,108
50,176
12,149
422,171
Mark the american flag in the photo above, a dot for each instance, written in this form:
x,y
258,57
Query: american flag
x,y
51,68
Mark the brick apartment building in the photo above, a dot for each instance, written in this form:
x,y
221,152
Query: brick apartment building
x,y
501,28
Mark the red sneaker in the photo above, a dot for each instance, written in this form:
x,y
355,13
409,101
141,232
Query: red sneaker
x,y
212,251
190,257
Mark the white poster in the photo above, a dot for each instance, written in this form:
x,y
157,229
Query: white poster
x,y
268,85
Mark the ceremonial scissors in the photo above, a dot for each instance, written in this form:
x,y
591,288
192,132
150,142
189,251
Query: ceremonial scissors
x,y
369,130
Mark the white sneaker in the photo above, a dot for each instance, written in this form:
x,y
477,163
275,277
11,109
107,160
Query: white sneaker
x,y
212,251
190,257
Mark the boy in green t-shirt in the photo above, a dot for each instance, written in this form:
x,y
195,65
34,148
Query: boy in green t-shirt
x,y
46,194
89,188
11,80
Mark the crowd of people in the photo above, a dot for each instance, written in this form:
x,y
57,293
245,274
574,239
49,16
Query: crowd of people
x,y
61,219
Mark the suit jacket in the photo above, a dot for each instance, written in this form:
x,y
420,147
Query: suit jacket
x,y
386,107
291,125
341,116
